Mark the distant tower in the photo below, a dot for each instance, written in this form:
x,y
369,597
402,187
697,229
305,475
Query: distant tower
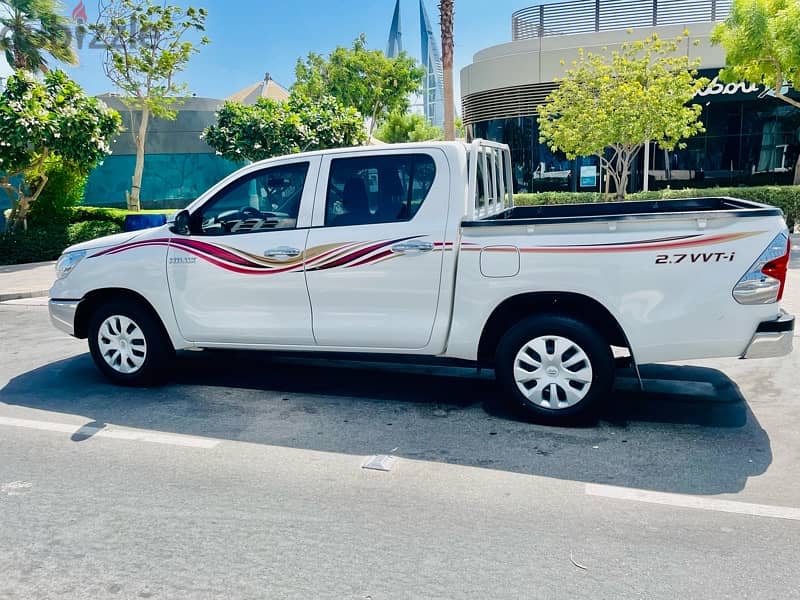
x,y
395,45
432,87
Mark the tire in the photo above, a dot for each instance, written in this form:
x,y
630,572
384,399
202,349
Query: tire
x,y
555,354
128,344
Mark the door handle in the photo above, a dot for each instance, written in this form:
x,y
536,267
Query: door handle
x,y
412,247
282,253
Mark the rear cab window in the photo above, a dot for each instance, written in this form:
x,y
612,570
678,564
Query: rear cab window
x,y
377,189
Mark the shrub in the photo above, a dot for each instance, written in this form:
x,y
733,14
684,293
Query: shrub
x,y
784,197
47,243
90,230
34,245
91,213
63,191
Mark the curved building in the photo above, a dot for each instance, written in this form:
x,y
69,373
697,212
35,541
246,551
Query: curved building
x,y
750,138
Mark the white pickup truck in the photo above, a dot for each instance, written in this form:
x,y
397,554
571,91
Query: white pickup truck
x,y
417,250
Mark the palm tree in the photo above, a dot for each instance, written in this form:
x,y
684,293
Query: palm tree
x,y
446,14
32,31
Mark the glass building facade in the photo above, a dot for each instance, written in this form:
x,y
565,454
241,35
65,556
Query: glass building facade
x,y
751,138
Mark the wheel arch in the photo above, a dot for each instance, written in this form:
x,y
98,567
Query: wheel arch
x,y
512,310
96,298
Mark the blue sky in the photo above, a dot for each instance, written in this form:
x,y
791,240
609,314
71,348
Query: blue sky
x,y
251,37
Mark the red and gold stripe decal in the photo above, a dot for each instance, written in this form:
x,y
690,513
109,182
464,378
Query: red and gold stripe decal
x,y
669,243
317,258
356,254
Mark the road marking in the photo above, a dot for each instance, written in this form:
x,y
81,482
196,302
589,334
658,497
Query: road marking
x,y
114,434
702,503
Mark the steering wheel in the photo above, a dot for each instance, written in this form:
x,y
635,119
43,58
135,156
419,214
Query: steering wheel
x,y
248,212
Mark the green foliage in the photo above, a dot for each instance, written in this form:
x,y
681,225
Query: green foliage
x,y
366,80
784,197
33,29
109,215
90,230
402,127
271,128
53,119
105,215
47,240
64,190
147,47
761,39
143,60
47,243
609,105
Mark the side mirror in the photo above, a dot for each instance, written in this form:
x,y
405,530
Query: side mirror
x,y
180,223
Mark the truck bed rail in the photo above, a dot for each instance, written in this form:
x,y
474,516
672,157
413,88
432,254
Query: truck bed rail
x,y
490,188
618,211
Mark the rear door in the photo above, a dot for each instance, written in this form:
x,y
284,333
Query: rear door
x,y
238,277
375,253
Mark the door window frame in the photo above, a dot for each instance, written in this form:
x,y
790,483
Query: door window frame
x,y
307,205
320,208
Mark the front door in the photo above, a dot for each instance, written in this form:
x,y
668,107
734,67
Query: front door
x,y
375,255
238,277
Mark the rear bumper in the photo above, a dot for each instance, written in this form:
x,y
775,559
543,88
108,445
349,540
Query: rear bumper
x,y
772,338
62,314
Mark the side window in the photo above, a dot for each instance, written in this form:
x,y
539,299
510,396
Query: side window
x,y
377,189
263,200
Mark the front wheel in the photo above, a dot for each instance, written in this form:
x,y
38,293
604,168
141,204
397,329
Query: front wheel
x,y
128,344
557,368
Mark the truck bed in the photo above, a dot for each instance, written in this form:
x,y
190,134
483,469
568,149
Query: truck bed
x,y
618,211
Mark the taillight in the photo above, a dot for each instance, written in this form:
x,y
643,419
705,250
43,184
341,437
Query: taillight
x,y
764,281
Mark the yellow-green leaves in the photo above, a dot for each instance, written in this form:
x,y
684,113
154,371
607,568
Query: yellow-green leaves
x,y
761,39
609,105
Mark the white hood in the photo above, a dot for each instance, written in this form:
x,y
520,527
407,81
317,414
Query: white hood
x,y
114,240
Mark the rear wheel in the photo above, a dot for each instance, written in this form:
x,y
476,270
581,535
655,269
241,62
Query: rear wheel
x,y
557,368
128,343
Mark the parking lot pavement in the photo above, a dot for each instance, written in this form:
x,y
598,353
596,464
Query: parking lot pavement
x,y
242,478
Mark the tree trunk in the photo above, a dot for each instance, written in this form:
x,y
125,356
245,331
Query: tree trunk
x,y
134,202
446,14
623,180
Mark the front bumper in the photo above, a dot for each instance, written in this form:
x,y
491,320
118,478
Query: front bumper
x,y
62,314
772,338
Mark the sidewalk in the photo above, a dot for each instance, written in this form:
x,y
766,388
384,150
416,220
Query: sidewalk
x,y
26,281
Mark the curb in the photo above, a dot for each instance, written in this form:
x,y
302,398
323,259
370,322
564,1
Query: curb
x,y
23,295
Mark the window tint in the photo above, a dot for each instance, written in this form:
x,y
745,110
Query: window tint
x,y
378,189
259,201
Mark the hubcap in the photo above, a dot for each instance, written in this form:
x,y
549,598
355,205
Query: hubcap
x,y
122,344
553,372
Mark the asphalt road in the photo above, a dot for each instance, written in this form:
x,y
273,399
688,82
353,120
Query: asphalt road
x,y
242,479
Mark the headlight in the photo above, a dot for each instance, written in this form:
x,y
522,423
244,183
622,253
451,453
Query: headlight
x,y
67,262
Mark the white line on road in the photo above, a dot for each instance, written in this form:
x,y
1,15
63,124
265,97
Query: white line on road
x,y
115,434
702,503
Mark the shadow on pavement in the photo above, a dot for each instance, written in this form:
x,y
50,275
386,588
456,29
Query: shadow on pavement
x,y
689,432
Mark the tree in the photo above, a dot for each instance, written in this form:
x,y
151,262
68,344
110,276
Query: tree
x,y
610,105
30,30
446,16
366,80
402,127
272,128
40,121
146,48
761,39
